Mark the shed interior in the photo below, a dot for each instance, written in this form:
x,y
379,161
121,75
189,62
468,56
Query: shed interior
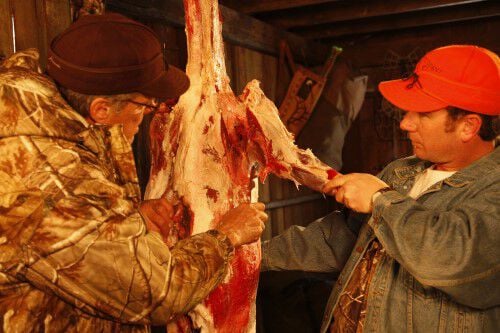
x,y
380,39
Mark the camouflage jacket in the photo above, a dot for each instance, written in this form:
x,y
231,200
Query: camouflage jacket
x,y
74,251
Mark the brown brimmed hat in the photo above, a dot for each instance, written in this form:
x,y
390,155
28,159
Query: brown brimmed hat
x,y
112,54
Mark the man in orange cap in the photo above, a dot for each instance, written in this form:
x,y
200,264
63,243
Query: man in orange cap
x,y
428,257
75,253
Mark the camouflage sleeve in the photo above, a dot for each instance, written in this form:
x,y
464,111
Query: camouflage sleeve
x,y
71,231
134,279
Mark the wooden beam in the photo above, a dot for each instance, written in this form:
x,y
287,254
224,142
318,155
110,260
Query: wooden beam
x,y
58,17
371,52
26,17
6,38
404,21
261,6
237,28
55,16
338,12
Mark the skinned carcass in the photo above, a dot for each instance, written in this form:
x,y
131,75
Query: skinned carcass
x,y
205,154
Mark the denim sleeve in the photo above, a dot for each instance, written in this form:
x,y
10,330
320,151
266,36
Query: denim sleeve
x,y
456,251
323,246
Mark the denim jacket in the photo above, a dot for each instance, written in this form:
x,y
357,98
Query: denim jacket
x,y
441,267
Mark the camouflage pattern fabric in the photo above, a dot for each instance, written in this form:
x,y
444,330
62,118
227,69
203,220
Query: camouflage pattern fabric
x,y
75,255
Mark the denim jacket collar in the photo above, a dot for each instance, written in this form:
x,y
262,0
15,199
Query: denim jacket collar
x,y
405,173
476,170
458,179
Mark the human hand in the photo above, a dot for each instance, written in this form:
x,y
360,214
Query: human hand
x,y
243,224
354,190
157,214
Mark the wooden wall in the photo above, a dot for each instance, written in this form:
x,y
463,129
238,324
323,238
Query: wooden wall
x,y
31,23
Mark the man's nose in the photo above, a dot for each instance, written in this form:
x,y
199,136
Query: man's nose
x,y
408,123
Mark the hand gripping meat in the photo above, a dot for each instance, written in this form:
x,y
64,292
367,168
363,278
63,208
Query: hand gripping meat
x,y
205,154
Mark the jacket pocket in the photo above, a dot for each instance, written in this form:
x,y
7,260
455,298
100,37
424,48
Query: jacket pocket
x,y
418,289
467,320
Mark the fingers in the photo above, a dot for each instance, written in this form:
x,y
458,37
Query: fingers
x,y
157,214
339,195
256,209
332,186
260,211
261,219
257,220
355,190
344,195
263,216
255,230
163,208
244,224
258,206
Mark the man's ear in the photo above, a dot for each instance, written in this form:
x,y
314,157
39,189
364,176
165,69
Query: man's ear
x,y
471,124
100,110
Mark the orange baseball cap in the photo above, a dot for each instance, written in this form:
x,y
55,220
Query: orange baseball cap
x,y
463,76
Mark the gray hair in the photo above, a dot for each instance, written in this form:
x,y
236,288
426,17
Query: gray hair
x,y
81,102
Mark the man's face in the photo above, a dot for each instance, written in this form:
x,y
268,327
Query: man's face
x,y
432,137
131,113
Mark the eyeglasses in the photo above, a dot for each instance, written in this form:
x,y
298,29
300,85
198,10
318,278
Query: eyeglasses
x,y
153,107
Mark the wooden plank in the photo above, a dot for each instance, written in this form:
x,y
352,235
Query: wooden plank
x,y
36,22
248,65
301,213
369,53
173,43
260,6
254,34
237,28
404,21
41,28
6,39
58,14
27,24
338,12
362,140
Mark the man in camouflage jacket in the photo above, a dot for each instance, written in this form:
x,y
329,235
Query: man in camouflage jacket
x,y
75,255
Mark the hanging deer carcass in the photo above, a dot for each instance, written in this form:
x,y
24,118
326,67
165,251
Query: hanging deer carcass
x,y
205,153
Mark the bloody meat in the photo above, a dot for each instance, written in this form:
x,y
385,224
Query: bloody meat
x,y
205,153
